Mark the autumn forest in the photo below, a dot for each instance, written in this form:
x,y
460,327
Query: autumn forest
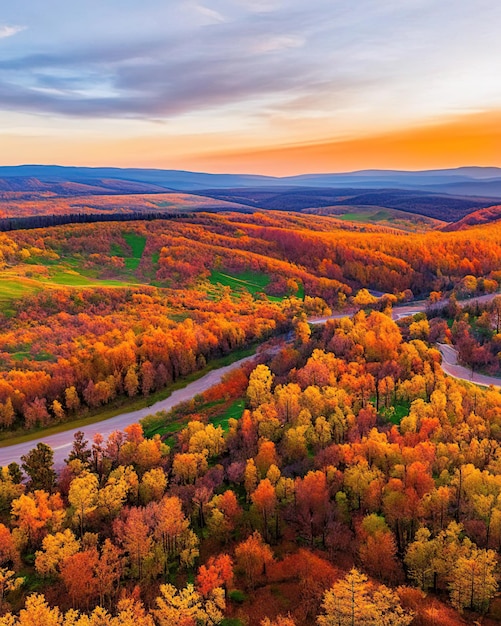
x,y
335,474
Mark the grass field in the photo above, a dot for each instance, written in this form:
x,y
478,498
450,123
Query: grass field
x,y
234,411
39,273
137,244
397,412
253,282
168,425
381,216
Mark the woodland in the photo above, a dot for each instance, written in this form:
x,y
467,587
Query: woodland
x,y
341,478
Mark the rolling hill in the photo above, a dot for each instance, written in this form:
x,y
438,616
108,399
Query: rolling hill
x,y
444,195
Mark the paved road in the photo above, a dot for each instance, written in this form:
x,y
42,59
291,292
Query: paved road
x,y
61,442
451,366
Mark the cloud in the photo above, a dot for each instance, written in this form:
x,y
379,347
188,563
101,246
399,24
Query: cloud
x,y
10,31
367,60
211,16
280,42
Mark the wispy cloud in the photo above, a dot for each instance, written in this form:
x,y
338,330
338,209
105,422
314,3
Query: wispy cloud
x,y
10,31
211,15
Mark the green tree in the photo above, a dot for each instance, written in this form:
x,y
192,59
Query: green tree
x,y
38,464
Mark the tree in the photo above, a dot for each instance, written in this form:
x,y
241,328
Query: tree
x,y
473,581
281,620
187,606
38,464
224,515
35,514
378,549
250,477
265,500
108,571
312,499
252,556
36,613
259,389
8,582
131,381
135,536
9,551
55,550
172,531
364,299
7,414
218,572
78,572
153,485
80,449
83,497
420,559
350,602
57,409
347,602
72,400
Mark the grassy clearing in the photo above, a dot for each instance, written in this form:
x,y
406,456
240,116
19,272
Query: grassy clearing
x,y
122,404
64,274
234,411
253,282
397,412
137,243
385,216
25,354
12,288
169,424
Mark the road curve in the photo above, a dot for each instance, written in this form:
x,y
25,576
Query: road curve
x,y
61,442
451,367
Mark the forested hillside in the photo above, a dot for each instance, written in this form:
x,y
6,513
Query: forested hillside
x,y
355,468
343,470
97,312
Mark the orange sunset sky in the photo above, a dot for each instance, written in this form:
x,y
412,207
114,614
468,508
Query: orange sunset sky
x,y
260,86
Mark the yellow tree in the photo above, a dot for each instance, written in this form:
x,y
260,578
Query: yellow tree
x,y
252,556
364,298
112,496
473,580
36,613
83,497
250,477
172,531
55,549
8,582
36,513
187,606
260,383
153,485
350,602
281,620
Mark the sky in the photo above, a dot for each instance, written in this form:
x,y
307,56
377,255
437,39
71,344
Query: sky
x,y
258,86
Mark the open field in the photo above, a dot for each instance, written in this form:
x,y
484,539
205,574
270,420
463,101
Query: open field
x,y
23,204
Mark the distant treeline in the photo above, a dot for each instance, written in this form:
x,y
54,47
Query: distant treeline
x,y
45,221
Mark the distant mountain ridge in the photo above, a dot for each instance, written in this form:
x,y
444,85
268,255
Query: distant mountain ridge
x,y
482,182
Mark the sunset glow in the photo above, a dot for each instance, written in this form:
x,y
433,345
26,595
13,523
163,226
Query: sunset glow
x,y
264,87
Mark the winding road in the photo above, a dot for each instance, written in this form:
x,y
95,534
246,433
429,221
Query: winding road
x,y
451,367
61,442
